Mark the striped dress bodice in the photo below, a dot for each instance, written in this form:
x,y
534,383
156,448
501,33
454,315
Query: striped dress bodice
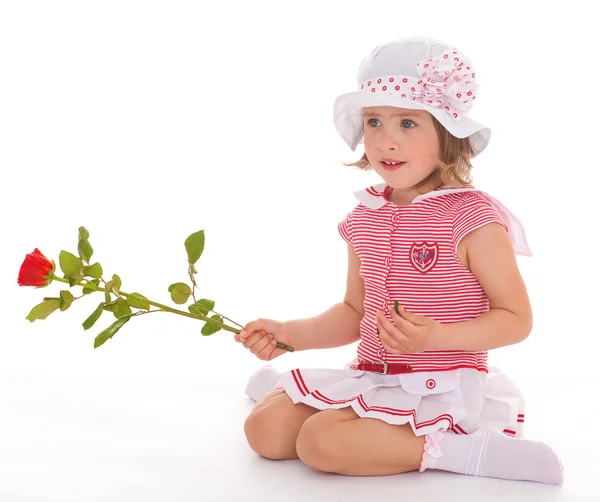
x,y
409,253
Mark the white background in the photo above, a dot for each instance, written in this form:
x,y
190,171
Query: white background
x,y
148,121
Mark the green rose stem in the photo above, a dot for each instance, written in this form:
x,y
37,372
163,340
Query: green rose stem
x,y
175,311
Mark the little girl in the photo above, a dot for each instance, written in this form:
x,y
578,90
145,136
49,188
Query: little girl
x,y
427,239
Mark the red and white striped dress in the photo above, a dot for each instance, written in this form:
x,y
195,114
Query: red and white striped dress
x,y
409,254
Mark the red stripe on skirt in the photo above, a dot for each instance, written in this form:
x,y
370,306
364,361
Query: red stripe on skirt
x,y
300,382
457,429
381,409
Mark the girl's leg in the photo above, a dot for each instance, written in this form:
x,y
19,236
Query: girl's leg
x,y
491,453
338,440
267,397
273,425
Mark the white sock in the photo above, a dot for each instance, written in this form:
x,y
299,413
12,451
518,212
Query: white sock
x,y
491,453
262,381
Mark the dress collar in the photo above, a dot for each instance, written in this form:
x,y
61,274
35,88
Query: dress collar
x,y
375,197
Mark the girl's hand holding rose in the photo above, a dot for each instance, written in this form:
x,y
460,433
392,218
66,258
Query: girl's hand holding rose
x,y
263,337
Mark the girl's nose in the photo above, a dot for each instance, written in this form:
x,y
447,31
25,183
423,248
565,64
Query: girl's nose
x,y
387,142
386,145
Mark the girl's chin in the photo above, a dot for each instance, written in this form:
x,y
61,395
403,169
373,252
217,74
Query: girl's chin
x,y
396,180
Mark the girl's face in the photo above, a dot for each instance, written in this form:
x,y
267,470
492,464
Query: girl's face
x,y
404,135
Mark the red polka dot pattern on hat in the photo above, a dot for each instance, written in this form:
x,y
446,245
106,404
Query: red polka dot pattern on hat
x,y
443,82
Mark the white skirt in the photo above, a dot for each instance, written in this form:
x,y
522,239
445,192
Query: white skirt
x,y
460,401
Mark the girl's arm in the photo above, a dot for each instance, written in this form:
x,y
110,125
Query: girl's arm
x,y
492,260
340,324
337,326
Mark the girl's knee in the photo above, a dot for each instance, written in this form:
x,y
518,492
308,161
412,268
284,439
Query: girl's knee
x,y
265,429
268,397
316,445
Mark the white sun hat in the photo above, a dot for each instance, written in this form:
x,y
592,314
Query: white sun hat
x,y
419,73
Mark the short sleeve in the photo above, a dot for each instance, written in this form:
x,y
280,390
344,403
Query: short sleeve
x,y
474,212
345,228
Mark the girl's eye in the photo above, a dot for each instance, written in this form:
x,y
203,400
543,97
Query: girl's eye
x,y
403,122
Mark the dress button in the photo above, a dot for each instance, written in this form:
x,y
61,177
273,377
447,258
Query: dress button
x,y
430,384
380,353
388,261
396,218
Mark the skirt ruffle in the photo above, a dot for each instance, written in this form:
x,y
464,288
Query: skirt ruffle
x,y
461,401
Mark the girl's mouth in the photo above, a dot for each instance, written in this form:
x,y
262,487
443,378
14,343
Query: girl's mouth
x,y
392,167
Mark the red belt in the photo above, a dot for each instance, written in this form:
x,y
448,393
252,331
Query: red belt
x,y
386,368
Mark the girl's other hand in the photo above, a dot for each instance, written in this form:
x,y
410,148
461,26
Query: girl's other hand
x,y
407,333
261,337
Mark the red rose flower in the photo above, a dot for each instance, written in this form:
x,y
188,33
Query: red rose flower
x,y
34,268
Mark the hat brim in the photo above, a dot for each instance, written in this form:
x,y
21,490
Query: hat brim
x,y
348,118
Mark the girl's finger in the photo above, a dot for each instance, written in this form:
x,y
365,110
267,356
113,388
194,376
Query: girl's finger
x,y
383,337
401,322
412,318
266,354
404,328
390,334
239,338
388,326
253,338
252,327
386,340
261,344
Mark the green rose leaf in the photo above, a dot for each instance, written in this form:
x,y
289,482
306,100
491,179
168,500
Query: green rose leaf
x,y
194,245
94,270
110,331
138,301
202,307
209,328
70,264
116,284
180,292
85,250
91,320
44,309
124,309
91,286
83,234
119,308
72,267
74,280
66,298
107,298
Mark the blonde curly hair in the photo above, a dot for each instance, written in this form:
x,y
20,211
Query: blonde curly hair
x,y
454,166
